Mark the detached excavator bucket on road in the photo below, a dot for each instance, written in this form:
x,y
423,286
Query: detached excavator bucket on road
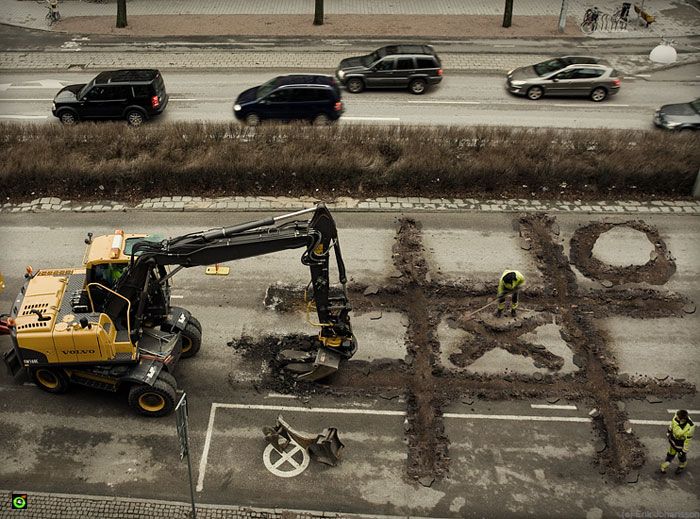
x,y
325,448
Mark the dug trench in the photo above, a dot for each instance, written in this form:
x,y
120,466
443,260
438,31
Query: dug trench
x,y
428,386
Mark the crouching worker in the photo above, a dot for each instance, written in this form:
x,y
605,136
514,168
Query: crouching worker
x,y
510,283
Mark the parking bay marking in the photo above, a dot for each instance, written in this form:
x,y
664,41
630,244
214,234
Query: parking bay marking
x,y
24,117
378,412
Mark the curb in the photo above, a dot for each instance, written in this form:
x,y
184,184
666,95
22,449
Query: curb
x,y
345,204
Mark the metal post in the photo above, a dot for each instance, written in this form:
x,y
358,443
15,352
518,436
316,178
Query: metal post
x,y
562,15
696,188
181,420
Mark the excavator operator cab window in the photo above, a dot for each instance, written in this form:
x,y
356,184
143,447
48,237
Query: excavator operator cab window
x,y
108,274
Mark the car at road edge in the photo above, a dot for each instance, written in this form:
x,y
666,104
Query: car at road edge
x,y
576,76
679,116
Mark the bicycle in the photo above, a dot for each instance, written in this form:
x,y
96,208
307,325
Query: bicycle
x,y
53,15
590,20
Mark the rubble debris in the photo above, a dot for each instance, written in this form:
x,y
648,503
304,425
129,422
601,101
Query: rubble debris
x,y
426,481
689,308
594,413
632,477
606,283
653,399
371,290
600,445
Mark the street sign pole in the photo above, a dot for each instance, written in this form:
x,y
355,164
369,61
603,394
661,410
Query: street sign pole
x,y
181,419
562,15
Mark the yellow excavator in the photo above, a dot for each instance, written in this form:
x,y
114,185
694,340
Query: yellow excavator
x,y
110,322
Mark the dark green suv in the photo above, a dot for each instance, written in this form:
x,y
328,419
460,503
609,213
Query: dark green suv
x,y
394,66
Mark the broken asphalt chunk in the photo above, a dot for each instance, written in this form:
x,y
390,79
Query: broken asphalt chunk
x,y
594,413
552,400
689,308
607,283
627,426
538,376
661,376
600,446
426,481
371,290
374,316
653,399
632,477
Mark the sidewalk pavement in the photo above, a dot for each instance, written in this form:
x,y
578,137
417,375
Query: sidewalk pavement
x,y
674,18
383,204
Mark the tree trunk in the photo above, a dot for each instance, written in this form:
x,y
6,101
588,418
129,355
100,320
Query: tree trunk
x,y
318,12
121,14
508,13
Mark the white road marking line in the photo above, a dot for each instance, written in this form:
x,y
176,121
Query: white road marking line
x,y
503,45
24,116
445,102
550,406
334,410
649,422
643,75
518,418
27,99
629,77
586,106
176,297
279,395
371,118
690,411
379,412
183,99
205,452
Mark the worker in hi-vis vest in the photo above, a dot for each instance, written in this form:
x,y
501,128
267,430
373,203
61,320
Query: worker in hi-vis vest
x,y
679,434
510,283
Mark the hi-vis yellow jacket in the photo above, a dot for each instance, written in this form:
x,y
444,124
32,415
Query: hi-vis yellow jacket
x,y
680,435
504,287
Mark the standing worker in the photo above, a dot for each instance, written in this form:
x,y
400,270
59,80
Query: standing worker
x,y
679,434
510,283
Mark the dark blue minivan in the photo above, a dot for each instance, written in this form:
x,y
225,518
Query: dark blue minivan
x,y
311,97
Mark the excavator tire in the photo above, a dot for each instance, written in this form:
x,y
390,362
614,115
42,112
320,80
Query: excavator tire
x,y
196,323
191,340
167,378
51,380
153,401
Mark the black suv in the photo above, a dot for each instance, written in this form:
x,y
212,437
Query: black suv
x,y
312,97
134,95
393,66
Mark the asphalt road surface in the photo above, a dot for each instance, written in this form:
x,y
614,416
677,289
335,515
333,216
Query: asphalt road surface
x,y
461,99
509,456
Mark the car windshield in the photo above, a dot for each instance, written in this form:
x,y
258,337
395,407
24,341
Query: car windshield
x,y
547,67
696,105
371,58
266,88
85,89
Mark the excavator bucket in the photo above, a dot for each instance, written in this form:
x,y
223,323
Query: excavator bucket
x,y
326,363
324,448
327,448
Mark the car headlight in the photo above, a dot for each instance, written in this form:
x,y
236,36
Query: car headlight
x,y
53,106
670,125
510,72
237,107
517,83
341,74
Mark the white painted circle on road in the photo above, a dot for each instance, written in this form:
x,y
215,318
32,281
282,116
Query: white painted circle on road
x,y
292,462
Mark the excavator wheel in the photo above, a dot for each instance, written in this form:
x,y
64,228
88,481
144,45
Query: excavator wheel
x,y
153,401
167,378
196,323
51,380
191,340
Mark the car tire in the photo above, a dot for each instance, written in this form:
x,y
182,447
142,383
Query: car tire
x,y
68,117
355,85
599,94
321,120
51,380
167,378
135,118
417,86
252,119
534,93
